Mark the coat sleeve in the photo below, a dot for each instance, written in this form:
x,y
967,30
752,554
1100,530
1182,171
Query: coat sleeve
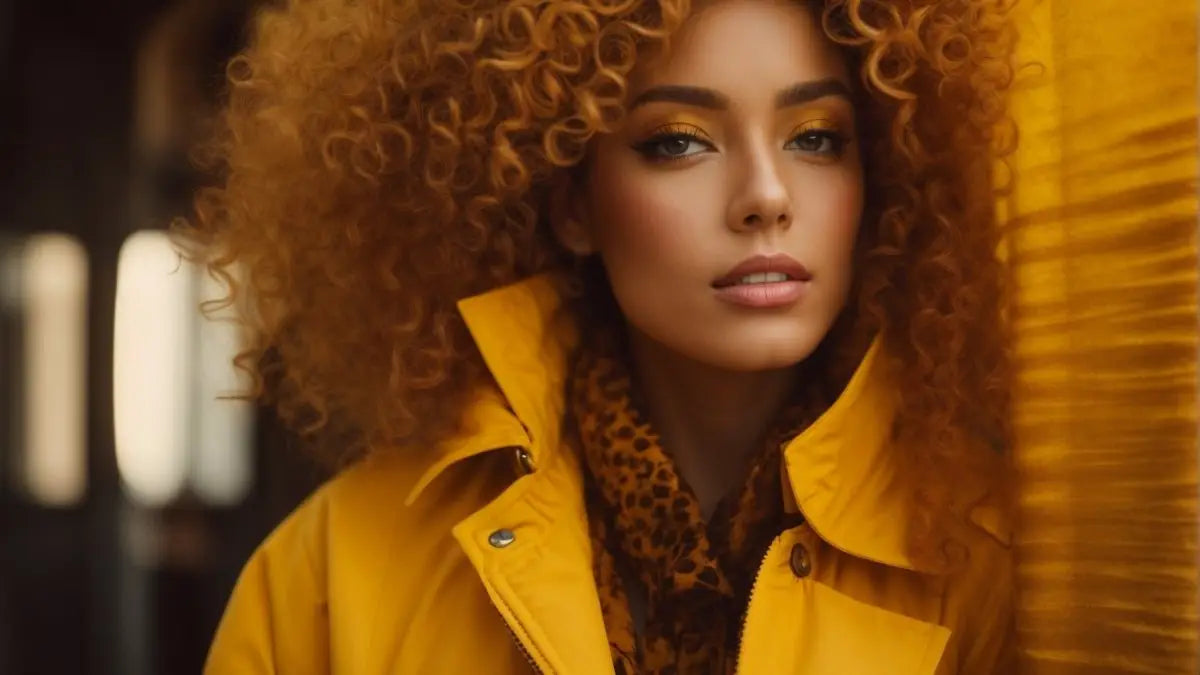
x,y
276,622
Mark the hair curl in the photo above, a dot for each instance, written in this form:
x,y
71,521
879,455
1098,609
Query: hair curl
x,y
381,159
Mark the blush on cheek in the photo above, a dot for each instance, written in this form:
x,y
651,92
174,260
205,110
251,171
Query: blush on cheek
x,y
843,213
643,225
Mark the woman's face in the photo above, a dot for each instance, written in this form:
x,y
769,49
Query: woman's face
x,y
738,148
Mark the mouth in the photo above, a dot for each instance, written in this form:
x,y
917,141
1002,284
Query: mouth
x,y
755,279
763,270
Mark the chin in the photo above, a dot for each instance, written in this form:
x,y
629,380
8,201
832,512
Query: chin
x,y
769,357
754,348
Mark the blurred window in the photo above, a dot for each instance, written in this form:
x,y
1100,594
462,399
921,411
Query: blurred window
x,y
45,280
55,280
172,374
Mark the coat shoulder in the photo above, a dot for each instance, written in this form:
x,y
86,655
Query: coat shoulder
x,y
352,542
350,507
364,506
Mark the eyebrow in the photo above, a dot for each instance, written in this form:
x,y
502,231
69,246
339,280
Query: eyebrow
x,y
701,97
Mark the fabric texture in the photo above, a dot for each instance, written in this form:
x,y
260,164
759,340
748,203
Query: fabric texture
x,y
1101,232
644,518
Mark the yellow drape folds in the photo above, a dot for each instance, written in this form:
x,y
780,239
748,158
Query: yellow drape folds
x,y
1101,230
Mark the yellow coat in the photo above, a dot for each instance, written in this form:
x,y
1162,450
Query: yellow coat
x,y
475,557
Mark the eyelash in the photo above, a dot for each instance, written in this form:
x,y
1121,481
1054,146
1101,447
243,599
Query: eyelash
x,y
649,147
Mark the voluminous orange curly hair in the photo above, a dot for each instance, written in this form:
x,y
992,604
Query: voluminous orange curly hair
x,y
381,159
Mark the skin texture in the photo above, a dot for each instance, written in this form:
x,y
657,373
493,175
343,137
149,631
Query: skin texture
x,y
683,192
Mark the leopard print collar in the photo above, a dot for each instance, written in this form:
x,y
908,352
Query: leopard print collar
x,y
645,520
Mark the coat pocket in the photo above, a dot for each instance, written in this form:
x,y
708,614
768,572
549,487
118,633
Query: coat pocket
x,y
803,627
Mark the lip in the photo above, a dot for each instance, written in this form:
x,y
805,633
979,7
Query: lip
x,y
759,264
764,296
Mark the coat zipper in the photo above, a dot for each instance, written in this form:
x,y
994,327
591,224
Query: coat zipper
x,y
741,642
521,646
741,634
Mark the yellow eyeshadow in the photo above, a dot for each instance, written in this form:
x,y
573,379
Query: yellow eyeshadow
x,y
817,125
673,123
807,119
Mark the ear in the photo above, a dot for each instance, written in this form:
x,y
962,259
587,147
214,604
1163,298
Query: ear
x,y
568,217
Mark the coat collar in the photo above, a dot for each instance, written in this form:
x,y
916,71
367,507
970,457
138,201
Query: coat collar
x,y
525,341
839,471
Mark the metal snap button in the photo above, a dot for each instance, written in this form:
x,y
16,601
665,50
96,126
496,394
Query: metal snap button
x,y
501,538
525,461
800,562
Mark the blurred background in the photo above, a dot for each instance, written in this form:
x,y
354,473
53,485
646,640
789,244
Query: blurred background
x,y
130,493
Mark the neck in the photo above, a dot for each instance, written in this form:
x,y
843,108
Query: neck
x,y
708,419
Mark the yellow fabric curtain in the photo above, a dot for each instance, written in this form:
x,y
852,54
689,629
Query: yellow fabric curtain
x,y
1102,235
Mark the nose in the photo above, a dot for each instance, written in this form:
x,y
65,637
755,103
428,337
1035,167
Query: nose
x,y
762,199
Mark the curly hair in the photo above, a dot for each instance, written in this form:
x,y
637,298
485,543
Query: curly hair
x,y
381,159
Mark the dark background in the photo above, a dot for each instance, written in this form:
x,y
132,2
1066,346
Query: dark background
x,y
75,158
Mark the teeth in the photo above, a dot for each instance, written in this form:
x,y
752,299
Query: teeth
x,y
763,278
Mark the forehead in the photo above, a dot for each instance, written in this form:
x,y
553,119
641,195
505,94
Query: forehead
x,y
740,45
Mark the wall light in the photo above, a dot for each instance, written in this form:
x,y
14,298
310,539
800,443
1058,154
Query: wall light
x,y
54,286
152,347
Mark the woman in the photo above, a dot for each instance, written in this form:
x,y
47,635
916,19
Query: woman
x,y
665,337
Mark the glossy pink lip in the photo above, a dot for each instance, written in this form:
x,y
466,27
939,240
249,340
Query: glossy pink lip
x,y
774,294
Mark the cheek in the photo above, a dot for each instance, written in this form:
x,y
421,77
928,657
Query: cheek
x,y
644,224
836,216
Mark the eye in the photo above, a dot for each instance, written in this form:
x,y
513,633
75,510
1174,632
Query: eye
x,y
823,142
674,142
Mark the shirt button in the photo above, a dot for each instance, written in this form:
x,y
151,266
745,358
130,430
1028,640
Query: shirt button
x,y
501,538
800,562
525,461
